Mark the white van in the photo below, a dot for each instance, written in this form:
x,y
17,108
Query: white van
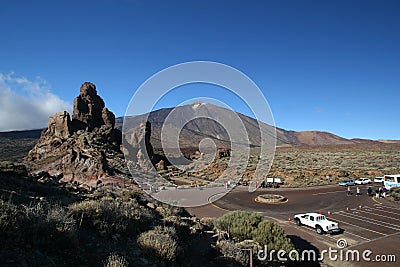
x,y
391,181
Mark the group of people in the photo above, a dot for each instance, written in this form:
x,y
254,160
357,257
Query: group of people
x,y
358,191
379,192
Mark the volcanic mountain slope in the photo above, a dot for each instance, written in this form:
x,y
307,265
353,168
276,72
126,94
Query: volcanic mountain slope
x,y
15,145
199,128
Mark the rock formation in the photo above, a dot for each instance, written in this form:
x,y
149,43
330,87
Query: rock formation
x,y
84,149
139,144
88,108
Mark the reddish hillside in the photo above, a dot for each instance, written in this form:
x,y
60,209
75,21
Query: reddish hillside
x,y
317,138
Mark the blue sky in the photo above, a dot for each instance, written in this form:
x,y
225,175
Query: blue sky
x,y
322,65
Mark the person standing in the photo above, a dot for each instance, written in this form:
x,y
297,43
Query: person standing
x,y
377,193
384,192
369,191
348,191
358,191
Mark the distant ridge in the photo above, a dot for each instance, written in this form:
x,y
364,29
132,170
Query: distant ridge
x,y
31,134
197,130
200,128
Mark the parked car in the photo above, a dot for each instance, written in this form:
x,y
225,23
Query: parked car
x,y
317,221
362,181
346,183
378,180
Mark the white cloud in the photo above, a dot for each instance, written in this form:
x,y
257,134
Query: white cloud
x,y
26,104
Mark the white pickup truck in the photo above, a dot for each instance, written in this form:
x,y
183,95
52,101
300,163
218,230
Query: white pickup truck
x,y
317,221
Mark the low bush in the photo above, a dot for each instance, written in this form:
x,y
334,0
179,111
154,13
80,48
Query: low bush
x,y
395,193
208,222
109,216
115,260
160,242
239,224
182,227
243,225
48,227
166,210
273,236
9,217
231,250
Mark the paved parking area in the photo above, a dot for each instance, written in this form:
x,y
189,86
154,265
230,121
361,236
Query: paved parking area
x,y
367,223
375,228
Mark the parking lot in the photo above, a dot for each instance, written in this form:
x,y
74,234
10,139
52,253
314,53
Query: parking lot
x,y
375,227
367,223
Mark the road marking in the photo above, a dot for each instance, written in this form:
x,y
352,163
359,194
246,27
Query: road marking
x,y
379,214
214,205
379,221
390,207
367,229
374,199
381,210
350,233
342,191
308,229
375,239
363,220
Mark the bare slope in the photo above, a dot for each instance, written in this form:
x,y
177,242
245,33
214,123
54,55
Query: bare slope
x,y
197,129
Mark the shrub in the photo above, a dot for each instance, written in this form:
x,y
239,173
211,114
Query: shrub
x,y
8,219
395,193
239,224
50,227
44,226
231,250
182,227
168,210
208,222
273,236
110,216
115,260
160,242
252,226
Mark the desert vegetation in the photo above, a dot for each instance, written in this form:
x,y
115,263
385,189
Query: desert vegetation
x,y
55,225
306,166
243,231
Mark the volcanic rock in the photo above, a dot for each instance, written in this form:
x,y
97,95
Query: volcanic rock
x,y
60,125
88,108
83,150
140,151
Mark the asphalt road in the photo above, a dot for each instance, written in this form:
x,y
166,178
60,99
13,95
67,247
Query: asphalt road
x,y
367,223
